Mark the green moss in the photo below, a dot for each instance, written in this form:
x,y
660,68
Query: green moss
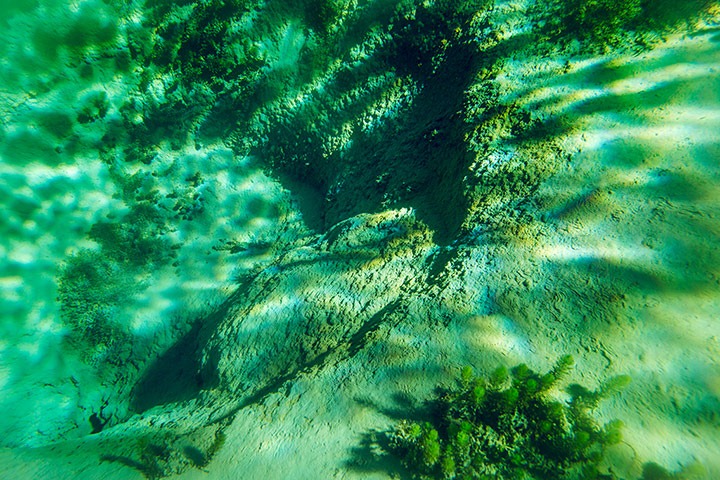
x,y
429,447
612,432
499,376
602,24
562,367
466,375
447,466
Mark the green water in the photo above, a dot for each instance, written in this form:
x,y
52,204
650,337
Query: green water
x,y
246,239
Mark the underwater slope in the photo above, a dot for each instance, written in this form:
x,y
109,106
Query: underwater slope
x,y
270,227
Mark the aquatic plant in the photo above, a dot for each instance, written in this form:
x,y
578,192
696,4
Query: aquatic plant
x,y
598,23
508,426
601,24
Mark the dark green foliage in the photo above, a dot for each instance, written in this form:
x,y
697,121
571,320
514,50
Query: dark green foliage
x,y
466,376
612,432
138,239
601,24
197,47
423,445
88,292
499,377
596,22
93,285
509,427
601,20
563,367
664,15
319,14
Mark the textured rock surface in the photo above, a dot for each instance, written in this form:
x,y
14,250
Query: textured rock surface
x,y
284,223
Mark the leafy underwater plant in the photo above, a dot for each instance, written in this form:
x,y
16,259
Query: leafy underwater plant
x,y
507,426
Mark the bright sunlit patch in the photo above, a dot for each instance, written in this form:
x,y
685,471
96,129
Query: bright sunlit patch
x,y
696,115
23,253
8,284
610,127
515,340
649,80
607,250
30,348
500,333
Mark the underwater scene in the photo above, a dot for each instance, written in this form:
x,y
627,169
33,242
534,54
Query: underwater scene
x,y
360,239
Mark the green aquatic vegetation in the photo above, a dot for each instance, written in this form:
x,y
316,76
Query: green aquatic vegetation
x,y
509,426
601,20
595,22
89,292
601,24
